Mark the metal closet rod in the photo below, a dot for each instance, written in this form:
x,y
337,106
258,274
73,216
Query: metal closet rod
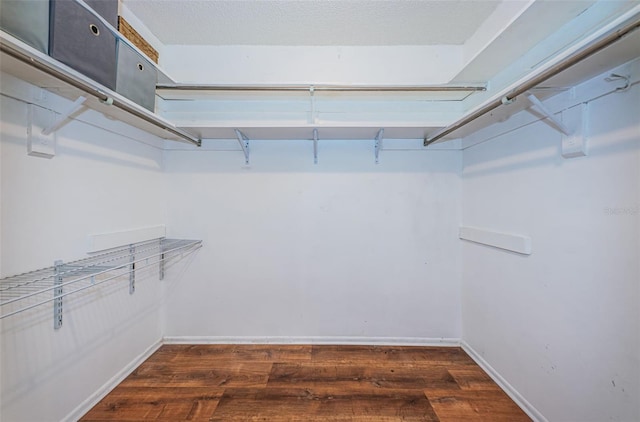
x,y
569,61
332,88
48,69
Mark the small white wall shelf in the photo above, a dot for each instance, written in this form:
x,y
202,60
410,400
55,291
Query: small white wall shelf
x,y
50,285
509,242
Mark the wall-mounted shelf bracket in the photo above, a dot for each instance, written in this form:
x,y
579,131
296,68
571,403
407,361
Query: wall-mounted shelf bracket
x,y
244,144
553,121
57,295
161,269
378,145
312,116
29,290
64,117
132,269
575,144
39,144
315,146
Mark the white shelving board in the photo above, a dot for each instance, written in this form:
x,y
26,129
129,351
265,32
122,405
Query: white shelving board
x,y
72,85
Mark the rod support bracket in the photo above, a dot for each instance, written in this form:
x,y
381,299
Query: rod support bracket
x,y
506,100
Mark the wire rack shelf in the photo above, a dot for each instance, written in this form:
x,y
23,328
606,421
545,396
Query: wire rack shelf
x,y
25,291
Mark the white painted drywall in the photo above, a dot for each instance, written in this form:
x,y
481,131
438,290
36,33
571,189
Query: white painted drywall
x,y
247,64
312,23
345,249
98,182
562,325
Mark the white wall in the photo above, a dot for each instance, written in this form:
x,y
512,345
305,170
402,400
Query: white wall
x,y
344,249
561,325
283,65
98,182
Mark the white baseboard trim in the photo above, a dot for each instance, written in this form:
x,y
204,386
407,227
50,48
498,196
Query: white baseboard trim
x,y
339,340
98,395
527,407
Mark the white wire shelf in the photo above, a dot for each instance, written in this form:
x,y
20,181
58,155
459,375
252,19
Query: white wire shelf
x,y
22,292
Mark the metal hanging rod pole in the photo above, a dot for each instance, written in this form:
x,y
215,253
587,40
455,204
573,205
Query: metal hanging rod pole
x,y
329,88
93,91
569,61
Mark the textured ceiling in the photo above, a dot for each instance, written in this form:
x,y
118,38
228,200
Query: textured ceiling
x,y
312,22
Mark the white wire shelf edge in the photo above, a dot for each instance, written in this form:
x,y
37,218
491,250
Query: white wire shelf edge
x,y
35,288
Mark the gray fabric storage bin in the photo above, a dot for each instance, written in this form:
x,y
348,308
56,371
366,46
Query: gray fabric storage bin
x,y
78,39
108,9
27,20
136,77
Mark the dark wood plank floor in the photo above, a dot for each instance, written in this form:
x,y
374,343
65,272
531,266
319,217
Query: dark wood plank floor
x,y
307,383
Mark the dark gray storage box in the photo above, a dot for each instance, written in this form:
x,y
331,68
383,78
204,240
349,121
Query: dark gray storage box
x,y
27,20
78,39
108,9
136,77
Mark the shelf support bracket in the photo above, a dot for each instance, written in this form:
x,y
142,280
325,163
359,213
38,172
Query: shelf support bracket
x,y
63,117
378,145
161,270
575,144
554,121
57,295
244,144
315,146
312,115
162,267
132,269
